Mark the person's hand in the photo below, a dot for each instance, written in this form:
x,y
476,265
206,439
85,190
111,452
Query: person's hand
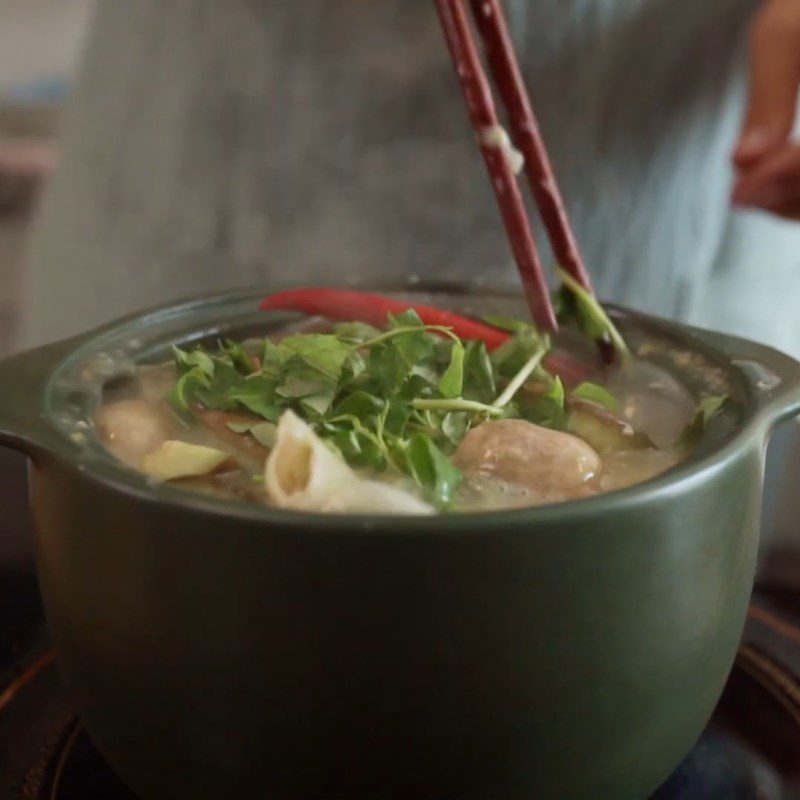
x,y
767,160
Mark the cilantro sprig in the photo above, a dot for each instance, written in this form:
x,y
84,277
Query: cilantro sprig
x,y
399,400
575,303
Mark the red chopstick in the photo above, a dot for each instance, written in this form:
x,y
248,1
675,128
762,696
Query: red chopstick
x,y
491,22
483,115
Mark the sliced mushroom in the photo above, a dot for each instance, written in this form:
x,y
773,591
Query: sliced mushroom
x,y
604,431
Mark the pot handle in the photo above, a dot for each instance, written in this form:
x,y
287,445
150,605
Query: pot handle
x,y
773,376
23,379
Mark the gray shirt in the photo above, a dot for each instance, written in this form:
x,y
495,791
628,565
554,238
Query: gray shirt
x,y
214,145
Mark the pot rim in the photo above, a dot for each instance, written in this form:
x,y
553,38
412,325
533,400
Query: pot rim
x,y
760,412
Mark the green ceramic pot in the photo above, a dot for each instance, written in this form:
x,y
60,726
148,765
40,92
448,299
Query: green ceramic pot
x,y
231,651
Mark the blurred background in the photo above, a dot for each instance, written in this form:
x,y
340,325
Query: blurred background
x,y
40,42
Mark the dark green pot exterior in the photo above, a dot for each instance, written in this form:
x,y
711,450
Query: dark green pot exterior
x,y
574,651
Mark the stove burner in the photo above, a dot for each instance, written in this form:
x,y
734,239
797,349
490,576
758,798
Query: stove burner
x,y
80,772
719,768
750,751
730,762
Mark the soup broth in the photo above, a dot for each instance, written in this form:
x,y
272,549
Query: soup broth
x,y
404,420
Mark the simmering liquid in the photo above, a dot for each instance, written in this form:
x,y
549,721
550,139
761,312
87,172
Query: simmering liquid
x,y
637,443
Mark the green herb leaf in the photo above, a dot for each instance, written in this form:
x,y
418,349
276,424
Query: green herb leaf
x,y
405,319
215,393
395,418
387,365
563,304
354,366
187,361
523,374
257,394
479,382
513,355
185,386
359,445
319,402
596,394
432,470
591,316
452,381
271,359
372,455
548,410
346,442
355,332
303,381
414,346
428,376
456,404
239,357
265,433
321,351
454,426
205,380
360,404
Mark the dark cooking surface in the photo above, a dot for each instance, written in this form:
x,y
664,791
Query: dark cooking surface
x,y
751,751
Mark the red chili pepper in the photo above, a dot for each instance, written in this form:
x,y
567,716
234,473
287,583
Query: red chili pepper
x,y
347,306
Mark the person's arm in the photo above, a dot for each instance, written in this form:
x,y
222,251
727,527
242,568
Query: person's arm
x,y
767,160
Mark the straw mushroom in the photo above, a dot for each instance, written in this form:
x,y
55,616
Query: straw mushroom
x,y
548,462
